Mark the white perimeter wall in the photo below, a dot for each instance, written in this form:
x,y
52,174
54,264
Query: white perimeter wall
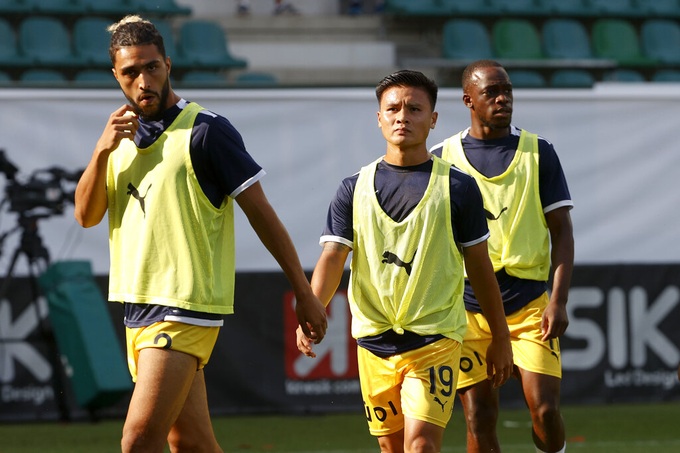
x,y
618,145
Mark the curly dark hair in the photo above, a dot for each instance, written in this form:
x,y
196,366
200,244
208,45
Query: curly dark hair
x,y
133,31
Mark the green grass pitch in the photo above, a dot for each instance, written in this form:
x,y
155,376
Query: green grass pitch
x,y
633,428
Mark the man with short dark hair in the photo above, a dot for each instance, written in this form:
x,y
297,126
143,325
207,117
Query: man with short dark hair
x,y
168,172
412,222
527,204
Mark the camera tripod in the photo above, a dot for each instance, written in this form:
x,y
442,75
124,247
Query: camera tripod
x,y
32,248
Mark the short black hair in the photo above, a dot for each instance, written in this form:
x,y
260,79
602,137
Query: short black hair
x,y
408,78
132,30
466,78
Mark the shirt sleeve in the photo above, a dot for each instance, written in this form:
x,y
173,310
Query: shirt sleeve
x,y
437,149
467,210
552,182
339,221
222,165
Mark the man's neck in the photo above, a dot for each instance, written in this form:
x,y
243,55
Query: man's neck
x,y
481,132
406,157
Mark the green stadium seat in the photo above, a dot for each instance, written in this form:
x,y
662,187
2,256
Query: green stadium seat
x,y
203,44
522,78
660,40
466,39
572,78
516,39
46,41
623,75
91,41
9,52
566,38
666,75
617,39
416,8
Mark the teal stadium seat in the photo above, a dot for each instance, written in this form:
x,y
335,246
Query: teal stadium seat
x,y
100,78
170,42
256,79
516,39
466,39
519,7
91,41
660,40
159,7
5,79
46,41
14,7
416,8
106,7
53,7
203,44
578,8
659,8
617,39
666,75
468,7
572,78
566,38
43,77
623,75
524,78
9,51
204,79
614,7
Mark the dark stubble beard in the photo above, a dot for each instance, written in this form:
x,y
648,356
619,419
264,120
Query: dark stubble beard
x,y
497,124
157,113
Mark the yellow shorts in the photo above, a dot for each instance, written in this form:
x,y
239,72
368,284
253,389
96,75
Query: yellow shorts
x,y
419,384
529,352
197,341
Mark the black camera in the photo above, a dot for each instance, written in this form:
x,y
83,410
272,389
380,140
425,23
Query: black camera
x,y
45,193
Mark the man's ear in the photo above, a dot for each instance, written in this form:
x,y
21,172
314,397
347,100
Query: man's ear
x,y
467,100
